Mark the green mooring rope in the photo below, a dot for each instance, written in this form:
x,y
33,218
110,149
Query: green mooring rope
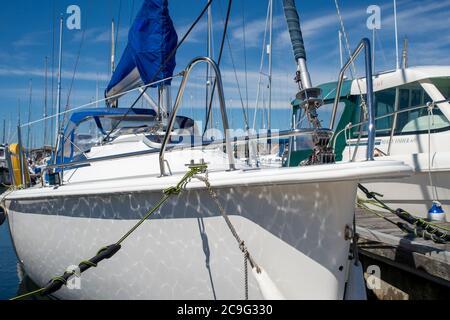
x,y
421,227
108,252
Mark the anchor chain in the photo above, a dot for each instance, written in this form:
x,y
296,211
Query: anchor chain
x,y
247,257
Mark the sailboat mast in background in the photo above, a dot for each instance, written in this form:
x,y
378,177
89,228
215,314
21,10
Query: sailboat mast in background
x,y
30,102
269,52
58,94
45,102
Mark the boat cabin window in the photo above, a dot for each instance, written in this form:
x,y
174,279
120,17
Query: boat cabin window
x,y
91,131
408,122
443,85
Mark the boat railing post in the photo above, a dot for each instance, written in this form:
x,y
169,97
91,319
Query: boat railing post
x,y
364,44
178,100
21,158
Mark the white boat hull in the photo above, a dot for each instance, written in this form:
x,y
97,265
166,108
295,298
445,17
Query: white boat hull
x,y
292,220
298,238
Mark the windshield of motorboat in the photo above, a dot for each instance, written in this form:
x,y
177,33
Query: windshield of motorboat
x,y
443,85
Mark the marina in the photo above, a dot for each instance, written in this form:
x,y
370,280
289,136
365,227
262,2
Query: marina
x,y
142,195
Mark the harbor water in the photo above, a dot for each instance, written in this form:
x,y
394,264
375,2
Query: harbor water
x,y
9,280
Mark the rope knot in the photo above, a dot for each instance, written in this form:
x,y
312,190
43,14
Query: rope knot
x,y
172,191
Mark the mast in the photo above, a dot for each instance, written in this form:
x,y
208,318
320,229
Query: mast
x,y
58,94
45,101
397,61
29,115
269,52
4,131
293,21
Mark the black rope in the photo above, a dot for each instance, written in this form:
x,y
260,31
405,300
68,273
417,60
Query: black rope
x,y
161,68
421,227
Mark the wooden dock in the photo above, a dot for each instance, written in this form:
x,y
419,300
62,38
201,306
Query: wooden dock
x,y
411,267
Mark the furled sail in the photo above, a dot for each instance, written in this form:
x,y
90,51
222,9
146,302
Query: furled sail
x,y
147,57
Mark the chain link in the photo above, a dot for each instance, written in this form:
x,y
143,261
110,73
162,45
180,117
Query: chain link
x,y
247,257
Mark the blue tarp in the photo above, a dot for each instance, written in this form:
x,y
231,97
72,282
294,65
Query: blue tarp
x,y
151,40
81,115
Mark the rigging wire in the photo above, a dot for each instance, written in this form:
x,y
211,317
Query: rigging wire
x,y
222,45
244,33
258,93
238,85
75,70
347,45
161,68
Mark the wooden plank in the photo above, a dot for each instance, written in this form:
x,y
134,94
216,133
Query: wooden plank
x,y
414,262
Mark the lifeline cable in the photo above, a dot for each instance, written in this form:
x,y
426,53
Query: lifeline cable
x,y
161,68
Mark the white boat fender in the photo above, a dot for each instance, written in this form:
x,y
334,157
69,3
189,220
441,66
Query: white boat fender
x,y
267,287
2,216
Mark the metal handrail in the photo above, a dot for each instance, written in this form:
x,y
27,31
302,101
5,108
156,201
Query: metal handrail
x,y
364,44
273,135
180,95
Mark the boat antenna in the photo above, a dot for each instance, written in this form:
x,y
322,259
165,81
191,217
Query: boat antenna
x,y
405,53
341,53
396,36
113,47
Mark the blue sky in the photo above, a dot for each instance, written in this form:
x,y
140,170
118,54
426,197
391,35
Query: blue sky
x,y
27,36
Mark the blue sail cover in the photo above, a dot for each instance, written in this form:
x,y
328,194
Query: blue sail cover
x,y
151,40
